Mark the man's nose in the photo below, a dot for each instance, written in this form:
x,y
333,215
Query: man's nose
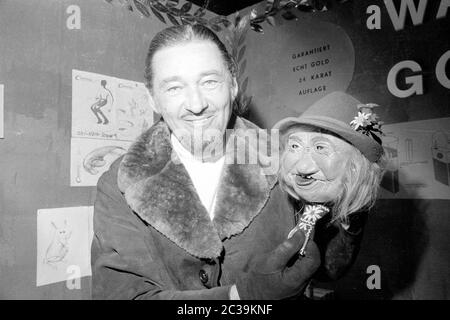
x,y
305,164
195,103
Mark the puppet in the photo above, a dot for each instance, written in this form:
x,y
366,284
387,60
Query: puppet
x,y
332,165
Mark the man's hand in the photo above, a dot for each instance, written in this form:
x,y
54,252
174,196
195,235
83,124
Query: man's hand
x,y
281,273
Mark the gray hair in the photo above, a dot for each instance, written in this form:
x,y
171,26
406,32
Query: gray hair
x,y
360,185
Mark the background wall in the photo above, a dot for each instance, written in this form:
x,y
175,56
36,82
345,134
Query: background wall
x,y
38,53
407,238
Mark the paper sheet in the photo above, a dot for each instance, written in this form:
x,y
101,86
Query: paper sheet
x,y
64,237
108,113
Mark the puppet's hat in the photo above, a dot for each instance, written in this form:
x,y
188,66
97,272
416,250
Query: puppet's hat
x,y
345,116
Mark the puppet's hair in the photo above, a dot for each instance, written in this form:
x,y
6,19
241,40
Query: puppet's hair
x,y
360,185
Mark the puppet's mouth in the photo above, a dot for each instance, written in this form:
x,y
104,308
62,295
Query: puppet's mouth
x,y
304,179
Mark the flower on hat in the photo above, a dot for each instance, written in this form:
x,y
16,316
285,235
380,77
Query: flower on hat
x,y
367,122
360,121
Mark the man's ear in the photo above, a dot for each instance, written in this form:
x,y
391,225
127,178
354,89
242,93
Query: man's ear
x,y
151,101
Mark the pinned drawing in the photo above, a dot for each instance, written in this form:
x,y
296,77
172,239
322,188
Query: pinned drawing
x,y
59,245
92,157
108,113
134,114
105,107
64,238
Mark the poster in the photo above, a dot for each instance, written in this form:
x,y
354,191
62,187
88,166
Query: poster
x,y
418,156
310,60
108,113
64,237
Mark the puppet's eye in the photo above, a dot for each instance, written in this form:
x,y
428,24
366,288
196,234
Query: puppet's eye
x,y
322,148
294,146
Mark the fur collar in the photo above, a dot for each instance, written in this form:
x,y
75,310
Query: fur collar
x,y
161,192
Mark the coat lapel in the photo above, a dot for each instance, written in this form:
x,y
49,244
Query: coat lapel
x,y
159,189
244,188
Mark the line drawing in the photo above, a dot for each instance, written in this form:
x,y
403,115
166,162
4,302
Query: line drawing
x,y
58,248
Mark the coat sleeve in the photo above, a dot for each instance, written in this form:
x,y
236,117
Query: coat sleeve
x,y
122,265
339,246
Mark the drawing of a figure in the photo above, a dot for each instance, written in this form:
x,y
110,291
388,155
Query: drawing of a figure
x,y
59,246
103,97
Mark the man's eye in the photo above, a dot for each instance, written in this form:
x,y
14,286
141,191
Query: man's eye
x,y
210,84
173,89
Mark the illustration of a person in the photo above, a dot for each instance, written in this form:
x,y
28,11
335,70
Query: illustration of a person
x,y
104,96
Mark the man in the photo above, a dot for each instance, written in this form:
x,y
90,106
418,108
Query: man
x,y
174,218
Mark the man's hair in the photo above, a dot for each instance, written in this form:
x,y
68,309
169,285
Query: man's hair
x,y
360,181
184,33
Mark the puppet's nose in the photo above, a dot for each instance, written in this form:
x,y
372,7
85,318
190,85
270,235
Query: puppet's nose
x,y
306,165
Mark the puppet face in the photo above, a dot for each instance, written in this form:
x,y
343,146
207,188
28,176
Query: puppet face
x,y
313,164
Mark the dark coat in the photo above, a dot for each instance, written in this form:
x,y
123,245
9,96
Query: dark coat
x,y
153,239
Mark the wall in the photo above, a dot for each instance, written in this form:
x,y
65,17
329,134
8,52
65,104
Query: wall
x,y
38,53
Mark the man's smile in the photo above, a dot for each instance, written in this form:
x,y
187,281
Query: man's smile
x,y
199,121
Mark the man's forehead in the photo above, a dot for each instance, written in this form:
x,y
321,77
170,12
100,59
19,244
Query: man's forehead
x,y
199,56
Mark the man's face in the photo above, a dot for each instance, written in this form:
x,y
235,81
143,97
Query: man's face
x,y
313,164
193,91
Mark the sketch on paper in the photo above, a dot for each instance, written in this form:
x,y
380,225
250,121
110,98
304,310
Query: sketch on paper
x,y
90,158
133,112
418,154
108,113
59,245
64,238
105,107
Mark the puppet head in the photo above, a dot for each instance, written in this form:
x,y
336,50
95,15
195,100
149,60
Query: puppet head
x,y
332,154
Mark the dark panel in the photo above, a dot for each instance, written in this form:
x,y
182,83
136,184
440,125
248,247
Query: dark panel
x,y
225,7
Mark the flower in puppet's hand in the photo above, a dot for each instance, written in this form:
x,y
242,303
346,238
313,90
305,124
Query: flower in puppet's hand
x,y
313,213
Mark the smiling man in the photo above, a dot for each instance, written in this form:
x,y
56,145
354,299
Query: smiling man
x,y
173,219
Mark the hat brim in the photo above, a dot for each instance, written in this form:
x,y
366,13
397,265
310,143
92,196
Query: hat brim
x,y
371,149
